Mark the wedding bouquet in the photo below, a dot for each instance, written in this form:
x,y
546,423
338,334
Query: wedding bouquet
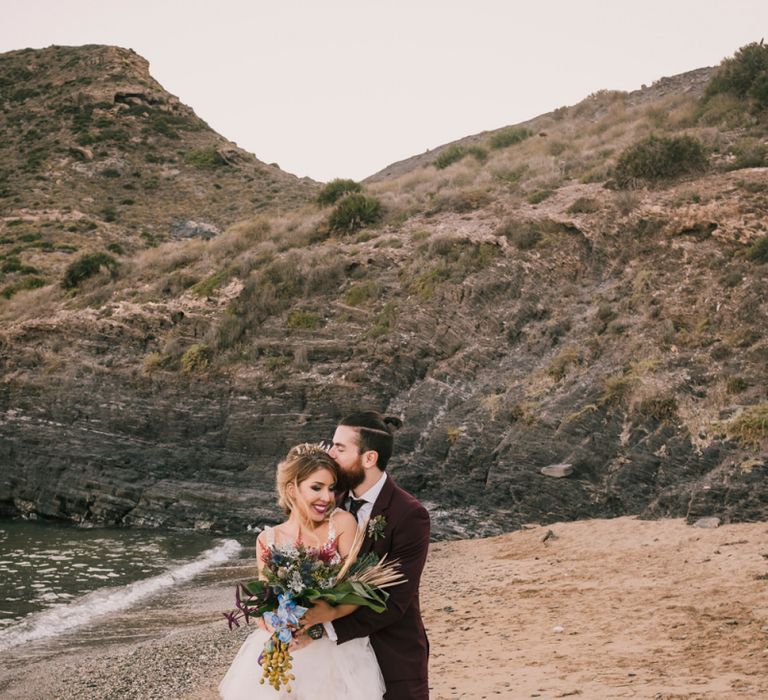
x,y
292,579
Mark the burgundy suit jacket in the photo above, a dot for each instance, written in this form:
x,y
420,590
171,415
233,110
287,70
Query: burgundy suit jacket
x,y
397,635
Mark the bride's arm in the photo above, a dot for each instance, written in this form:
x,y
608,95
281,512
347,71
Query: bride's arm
x,y
346,528
261,547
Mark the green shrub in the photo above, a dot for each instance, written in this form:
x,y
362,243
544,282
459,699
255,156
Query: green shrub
x,y
361,292
750,153
86,266
658,408
736,385
207,158
427,282
463,201
758,251
196,358
11,264
115,248
658,158
303,320
524,235
353,212
478,153
275,363
450,155
744,75
539,196
336,189
206,287
732,279
510,136
35,158
750,428
511,176
109,214
28,283
385,321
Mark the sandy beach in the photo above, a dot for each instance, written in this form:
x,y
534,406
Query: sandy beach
x,y
621,608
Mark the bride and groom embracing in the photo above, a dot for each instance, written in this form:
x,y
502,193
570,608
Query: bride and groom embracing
x,y
362,654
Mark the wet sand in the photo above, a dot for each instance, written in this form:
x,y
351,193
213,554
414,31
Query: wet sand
x,y
619,608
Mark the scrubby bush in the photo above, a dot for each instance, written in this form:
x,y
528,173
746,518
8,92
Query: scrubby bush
x,y
86,266
744,75
478,153
336,189
207,158
462,201
300,319
659,158
450,155
361,292
750,428
115,248
196,358
27,283
522,234
510,136
758,251
539,196
750,153
353,212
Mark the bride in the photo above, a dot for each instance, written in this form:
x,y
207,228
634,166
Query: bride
x,y
323,670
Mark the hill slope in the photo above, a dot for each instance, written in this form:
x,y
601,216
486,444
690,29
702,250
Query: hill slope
x,y
515,306
95,152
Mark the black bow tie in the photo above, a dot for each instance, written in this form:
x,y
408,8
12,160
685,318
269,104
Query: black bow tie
x,y
355,504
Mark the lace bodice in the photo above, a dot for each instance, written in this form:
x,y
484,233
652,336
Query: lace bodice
x,y
290,548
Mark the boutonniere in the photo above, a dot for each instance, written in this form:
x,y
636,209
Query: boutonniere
x,y
376,527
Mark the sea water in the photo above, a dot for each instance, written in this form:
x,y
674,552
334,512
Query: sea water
x,y
55,578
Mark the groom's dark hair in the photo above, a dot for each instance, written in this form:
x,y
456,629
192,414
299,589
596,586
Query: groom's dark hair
x,y
376,433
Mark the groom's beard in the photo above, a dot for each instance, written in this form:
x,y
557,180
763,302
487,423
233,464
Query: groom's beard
x,y
353,478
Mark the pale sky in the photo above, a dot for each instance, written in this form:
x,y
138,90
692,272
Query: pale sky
x,y
342,88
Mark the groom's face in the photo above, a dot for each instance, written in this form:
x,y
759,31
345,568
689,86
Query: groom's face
x,y
346,452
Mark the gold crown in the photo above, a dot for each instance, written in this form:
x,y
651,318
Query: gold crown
x,y
309,449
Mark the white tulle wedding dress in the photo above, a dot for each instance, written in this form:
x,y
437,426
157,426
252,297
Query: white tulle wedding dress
x,y
323,669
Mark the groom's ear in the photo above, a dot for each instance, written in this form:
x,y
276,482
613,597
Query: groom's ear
x,y
370,459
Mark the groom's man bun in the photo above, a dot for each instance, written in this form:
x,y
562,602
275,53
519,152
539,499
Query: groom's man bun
x,y
376,433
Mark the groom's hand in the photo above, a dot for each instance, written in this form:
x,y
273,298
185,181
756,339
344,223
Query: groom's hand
x,y
318,613
300,639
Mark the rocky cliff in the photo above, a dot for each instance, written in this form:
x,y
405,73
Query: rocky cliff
x,y
511,303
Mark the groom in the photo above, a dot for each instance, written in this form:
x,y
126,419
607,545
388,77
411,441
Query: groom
x,y
399,528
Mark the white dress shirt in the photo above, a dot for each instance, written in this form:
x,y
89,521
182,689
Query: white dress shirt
x,y
369,497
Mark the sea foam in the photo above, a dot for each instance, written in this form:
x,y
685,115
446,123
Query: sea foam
x,y
90,607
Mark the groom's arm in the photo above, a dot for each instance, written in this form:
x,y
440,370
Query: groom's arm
x,y
410,542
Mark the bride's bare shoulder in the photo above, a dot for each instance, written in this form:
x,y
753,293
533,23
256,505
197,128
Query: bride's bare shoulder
x,y
343,520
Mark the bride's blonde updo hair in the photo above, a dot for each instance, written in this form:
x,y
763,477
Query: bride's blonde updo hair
x,y
301,462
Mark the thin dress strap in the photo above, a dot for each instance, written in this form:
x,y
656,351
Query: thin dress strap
x,y
269,536
331,528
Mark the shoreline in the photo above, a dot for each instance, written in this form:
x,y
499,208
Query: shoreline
x,y
621,608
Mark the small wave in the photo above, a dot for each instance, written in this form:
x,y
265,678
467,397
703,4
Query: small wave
x,y
56,621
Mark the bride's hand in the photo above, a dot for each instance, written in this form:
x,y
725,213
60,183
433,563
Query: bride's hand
x,y
318,613
300,639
